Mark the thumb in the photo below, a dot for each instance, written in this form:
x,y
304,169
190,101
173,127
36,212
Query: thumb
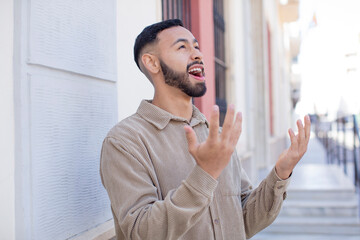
x,y
191,138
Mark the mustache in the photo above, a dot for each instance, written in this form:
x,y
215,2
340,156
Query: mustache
x,y
193,63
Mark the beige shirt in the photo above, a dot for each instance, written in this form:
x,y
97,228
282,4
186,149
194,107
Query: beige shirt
x,y
157,191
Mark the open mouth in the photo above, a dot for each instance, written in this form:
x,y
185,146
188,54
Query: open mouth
x,y
197,72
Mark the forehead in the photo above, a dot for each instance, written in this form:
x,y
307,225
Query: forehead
x,y
170,35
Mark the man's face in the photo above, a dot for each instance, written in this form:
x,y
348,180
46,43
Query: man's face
x,y
181,61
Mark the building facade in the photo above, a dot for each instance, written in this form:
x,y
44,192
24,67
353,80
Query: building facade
x,y
68,76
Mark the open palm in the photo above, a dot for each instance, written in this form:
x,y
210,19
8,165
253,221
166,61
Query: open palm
x,y
291,156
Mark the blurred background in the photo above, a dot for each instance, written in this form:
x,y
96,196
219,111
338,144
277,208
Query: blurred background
x,y
68,75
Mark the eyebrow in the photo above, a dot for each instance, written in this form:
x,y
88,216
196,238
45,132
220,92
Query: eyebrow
x,y
184,40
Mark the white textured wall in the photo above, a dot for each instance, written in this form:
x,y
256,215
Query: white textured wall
x,y
71,35
66,136
133,86
280,85
65,91
238,87
235,58
7,183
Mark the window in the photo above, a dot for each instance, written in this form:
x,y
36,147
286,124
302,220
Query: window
x,y
220,65
180,9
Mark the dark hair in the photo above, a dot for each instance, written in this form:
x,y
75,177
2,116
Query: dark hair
x,y
149,35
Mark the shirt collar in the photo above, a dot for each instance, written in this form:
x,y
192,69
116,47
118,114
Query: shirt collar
x,y
161,118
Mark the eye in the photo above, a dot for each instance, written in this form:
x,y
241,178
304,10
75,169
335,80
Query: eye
x,y
197,47
182,46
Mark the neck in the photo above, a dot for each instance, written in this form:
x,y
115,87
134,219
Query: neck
x,y
178,104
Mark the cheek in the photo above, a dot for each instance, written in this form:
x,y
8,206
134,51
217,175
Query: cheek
x,y
177,62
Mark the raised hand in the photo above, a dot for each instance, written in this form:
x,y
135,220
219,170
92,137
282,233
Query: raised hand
x,y
215,153
291,156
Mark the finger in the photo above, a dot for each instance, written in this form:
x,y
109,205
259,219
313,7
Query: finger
x,y
228,122
301,131
214,123
235,134
307,127
191,138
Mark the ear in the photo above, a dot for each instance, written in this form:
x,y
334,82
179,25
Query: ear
x,y
151,63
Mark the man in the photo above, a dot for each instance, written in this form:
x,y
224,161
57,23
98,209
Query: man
x,y
171,174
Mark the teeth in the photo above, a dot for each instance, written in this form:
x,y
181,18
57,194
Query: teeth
x,y
195,70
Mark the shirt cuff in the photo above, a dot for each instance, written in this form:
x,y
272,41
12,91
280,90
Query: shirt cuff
x,y
202,181
280,179
273,181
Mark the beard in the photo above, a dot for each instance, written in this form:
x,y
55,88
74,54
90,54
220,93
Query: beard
x,y
182,81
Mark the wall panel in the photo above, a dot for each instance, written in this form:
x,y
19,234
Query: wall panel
x,y
77,36
65,103
68,121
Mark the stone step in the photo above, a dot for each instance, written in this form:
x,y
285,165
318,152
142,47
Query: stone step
x,y
340,208
315,225
321,194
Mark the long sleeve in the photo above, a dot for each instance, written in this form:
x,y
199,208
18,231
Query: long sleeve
x,y
136,200
262,205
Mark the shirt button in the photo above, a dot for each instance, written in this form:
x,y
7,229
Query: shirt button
x,y
216,221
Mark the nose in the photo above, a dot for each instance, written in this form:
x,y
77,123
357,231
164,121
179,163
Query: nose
x,y
196,54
